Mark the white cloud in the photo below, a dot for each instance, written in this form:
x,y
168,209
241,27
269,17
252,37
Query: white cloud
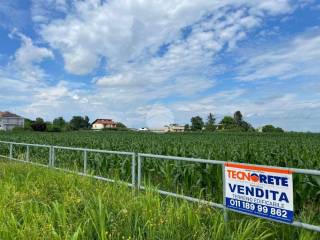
x,y
12,15
25,62
157,116
297,58
160,58
142,42
128,30
291,111
29,54
43,10
115,80
154,50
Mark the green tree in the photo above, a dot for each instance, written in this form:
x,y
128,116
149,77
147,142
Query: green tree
x,y
240,124
227,120
210,124
59,122
278,129
78,122
271,128
121,126
197,123
186,127
53,128
237,117
27,124
245,126
39,125
86,122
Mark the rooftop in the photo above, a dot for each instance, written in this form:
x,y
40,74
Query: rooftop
x,y
8,114
103,121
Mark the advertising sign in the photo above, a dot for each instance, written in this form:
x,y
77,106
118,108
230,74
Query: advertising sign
x,y
261,191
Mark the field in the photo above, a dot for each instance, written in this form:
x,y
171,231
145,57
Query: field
x,y
198,180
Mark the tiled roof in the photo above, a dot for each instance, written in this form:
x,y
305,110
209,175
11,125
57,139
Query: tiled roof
x,y
8,114
104,121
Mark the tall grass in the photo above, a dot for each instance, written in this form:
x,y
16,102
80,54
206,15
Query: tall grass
x,y
192,179
38,203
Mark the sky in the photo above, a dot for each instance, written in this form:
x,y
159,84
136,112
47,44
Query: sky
x,y
153,62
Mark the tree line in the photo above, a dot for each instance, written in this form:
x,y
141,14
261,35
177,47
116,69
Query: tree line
x,y
61,125
228,123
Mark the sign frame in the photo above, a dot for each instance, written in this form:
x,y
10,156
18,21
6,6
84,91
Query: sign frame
x,y
252,188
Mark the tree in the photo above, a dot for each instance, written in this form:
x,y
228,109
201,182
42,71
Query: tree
x,y
186,127
59,122
27,124
245,126
271,128
210,124
237,117
39,125
53,128
121,126
86,122
78,122
227,121
278,129
197,123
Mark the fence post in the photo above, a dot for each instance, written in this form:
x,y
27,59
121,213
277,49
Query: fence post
x,y
225,211
133,171
11,151
27,154
52,156
139,171
85,159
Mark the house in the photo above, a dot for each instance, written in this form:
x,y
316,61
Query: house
x,y
100,124
168,128
9,121
175,128
143,129
159,130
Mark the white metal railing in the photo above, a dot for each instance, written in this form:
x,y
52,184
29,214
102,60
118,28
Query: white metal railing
x,y
52,158
136,179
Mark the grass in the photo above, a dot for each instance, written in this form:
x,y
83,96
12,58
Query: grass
x,y
39,203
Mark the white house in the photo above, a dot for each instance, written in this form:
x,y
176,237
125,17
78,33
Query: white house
x,y
168,128
143,129
9,121
100,124
175,128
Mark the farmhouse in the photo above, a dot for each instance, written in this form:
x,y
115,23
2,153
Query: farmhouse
x,y
175,128
100,124
168,128
9,120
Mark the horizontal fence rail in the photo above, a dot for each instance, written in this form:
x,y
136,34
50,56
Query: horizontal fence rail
x,y
214,204
136,179
85,151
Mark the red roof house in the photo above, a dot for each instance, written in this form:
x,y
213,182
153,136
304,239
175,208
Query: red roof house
x,y
99,124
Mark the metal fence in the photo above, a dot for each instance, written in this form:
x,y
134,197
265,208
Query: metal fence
x,y
52,158
136,180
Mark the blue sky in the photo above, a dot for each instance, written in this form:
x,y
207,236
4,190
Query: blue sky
x,y
149,63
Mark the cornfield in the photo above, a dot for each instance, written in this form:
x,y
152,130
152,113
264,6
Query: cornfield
x,y
193,179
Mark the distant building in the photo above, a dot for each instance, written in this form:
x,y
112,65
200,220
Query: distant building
x,y
100,124
259,129
159,130
9,121
168,128
175,128
143,129
219,126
